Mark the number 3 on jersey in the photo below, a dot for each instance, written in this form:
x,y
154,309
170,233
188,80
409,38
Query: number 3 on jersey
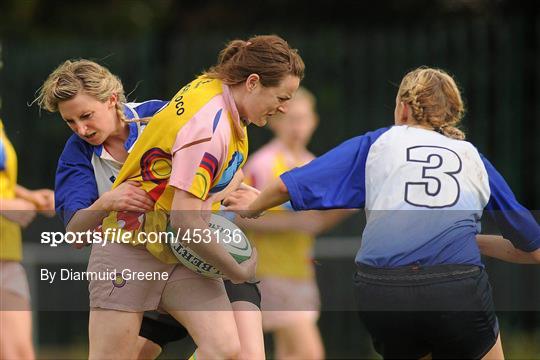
x,y
433,185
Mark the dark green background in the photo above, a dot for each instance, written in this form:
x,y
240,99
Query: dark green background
x,y
356,52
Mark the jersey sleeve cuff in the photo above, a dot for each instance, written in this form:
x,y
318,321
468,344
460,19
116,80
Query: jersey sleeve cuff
x,y
295,194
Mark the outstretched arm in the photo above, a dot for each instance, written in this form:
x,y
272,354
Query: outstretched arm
x,y
43,199
241,201
18,210
22,209
312,222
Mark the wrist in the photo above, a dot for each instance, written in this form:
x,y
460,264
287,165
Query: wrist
x,y
239,275
101,204
26,198
252,208
255,211
26,204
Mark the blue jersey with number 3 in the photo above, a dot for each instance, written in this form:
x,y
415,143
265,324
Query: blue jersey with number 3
x,y
424,194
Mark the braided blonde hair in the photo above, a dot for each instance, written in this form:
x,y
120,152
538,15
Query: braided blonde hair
x,y
434,100
75,76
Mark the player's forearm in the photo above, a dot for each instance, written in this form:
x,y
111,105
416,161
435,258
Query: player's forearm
x,y
87,219
275,221
500,248
23,193
84,220
324,220
15,204
308,222
275,194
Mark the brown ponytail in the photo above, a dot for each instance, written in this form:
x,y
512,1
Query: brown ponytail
x,y
269,56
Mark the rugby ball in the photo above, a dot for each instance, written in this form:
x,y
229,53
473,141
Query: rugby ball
x,y
230,236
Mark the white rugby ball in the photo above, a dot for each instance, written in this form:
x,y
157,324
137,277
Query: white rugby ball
x,y
230,236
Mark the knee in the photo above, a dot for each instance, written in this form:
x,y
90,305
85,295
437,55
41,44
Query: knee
x,y
28,353
315,353
147,349
230,348
17,351
225,348
251,352
308,354
16,348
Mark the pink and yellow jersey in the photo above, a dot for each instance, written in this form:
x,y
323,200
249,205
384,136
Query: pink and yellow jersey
x,y
281,254
10,232
196,144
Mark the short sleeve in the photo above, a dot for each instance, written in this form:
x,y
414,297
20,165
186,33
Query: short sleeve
x,y
333,181
197,153
75,184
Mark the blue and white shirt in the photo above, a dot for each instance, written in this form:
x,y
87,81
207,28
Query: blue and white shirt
x,y
424,194
85,171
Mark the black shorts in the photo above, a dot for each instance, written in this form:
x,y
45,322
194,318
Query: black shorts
x,y
445,310
244,292
163,328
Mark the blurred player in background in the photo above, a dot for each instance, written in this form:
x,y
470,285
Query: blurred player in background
x,y
285,239
18,207
423,290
